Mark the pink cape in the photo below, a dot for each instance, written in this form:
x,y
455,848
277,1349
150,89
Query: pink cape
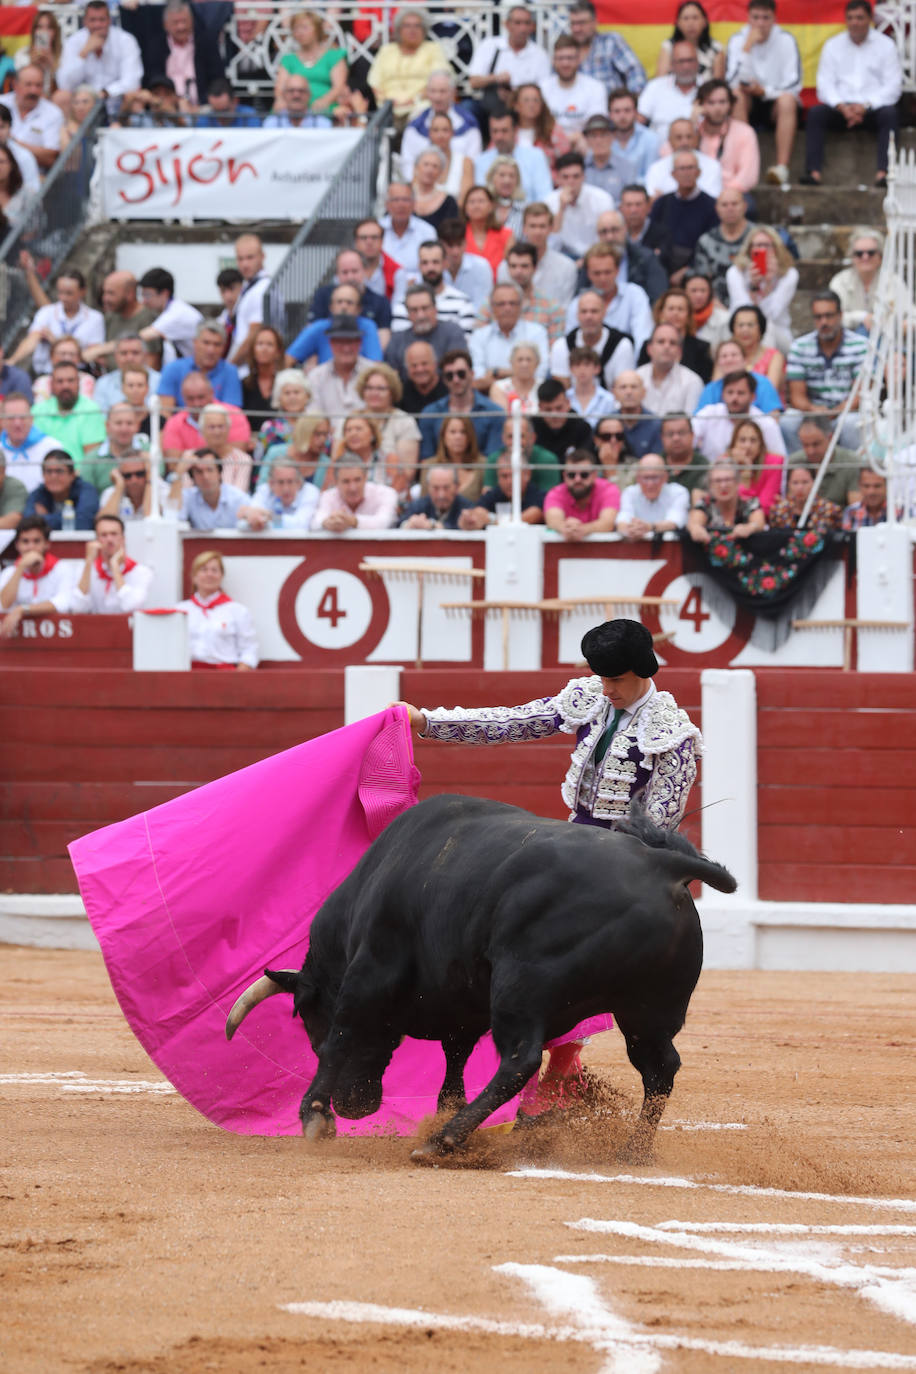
x,y
190,902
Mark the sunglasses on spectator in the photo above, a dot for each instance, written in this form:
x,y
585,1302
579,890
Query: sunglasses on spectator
x,y
139,473
455,374
865,252
610,436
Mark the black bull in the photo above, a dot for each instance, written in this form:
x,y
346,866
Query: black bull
x,y
468,915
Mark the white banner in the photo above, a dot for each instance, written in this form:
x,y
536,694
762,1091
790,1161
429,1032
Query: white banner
x,y
232,174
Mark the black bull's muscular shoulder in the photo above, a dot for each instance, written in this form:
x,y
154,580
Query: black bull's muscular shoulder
x,y
468,915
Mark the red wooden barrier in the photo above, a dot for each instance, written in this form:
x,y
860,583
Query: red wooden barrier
x,y
70,641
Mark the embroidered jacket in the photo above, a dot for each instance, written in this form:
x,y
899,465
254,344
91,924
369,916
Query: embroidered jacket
x,y
654,753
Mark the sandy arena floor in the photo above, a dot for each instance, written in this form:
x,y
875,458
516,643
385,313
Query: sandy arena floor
x,y
777,1228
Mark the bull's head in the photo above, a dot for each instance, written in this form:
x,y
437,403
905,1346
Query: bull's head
x,y
273,981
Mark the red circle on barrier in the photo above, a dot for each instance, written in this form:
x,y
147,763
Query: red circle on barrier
x,y
314,653
719,657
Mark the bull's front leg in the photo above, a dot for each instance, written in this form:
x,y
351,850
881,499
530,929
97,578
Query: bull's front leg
x,y
515,1068
653,1055
457,1050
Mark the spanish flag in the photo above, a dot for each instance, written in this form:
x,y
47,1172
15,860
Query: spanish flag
x,y
15,26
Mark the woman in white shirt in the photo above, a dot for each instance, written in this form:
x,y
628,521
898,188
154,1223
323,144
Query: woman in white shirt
x,y
221,630
459,176
38,583
763,274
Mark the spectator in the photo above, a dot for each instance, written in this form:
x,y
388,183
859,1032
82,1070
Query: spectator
x,y
839,484
721,510
76,422
710,318
520,268
297,112
505,141
871,507
350,270
206,357
821,368
652,505
124,316
714,424
25,161
181,430
457,449
360,437
122,440
685,214
555,274
605,167
682,137
673,307
176,322
110,583
249,312
101,55
483,234
615,458
605,56
764,70
730,358
267,354
458,176
671,96
209,503
38,583
572,97
315,56
748,325
423,384
431,201
333,384
501,64
452,305
486,510
637,143
442,506
22,444
177,46
15,201
504,183
13,496
403,230
583,503
130,494
284,502
763,274
542,462
731,141
857,285
760,473
465,141
467,272
638,265
221,631
13,381
492,344
308,449
235,463
635,207
399,434
575,206
685,463
460,399
522,382
353,502
692,26
155,106
314,344
37,124
229,284
380,268
626,308
786,511
423,324
401,69
613,346
556,429
60,487
225,110
859,81
69,315
136,383
669,385
64,350
586,397
43,49
641,427
718,247
537,127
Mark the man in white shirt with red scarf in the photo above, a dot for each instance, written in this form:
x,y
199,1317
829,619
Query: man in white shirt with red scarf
x,y
110,583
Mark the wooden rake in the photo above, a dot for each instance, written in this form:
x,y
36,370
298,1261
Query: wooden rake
x,y
403,571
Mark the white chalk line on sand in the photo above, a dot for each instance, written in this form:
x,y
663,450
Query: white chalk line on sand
x,y
714,1266
72,1081
783,1228
896,1204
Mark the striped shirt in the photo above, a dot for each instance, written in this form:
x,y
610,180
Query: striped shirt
x,y
537,309
828,379
612,60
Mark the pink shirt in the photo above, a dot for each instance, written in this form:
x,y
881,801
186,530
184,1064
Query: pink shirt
x,y
376,511
767,484
179,65
603,495
179,431
738,154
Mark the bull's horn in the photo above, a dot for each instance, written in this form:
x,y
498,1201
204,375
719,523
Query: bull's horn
x,y
261,989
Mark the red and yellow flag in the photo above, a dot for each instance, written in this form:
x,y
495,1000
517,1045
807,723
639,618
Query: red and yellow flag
x,y
15,26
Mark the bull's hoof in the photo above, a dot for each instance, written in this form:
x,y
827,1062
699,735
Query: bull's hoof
x,y
434,1151
318,1125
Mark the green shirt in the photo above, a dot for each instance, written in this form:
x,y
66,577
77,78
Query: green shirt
x,y
12,495
318,76
76,430
546,471
694,474
841,477
97,469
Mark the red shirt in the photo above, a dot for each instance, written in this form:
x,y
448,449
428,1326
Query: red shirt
x,y
603,495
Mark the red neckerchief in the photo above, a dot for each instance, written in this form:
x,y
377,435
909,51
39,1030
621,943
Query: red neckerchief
x,y
49,563
221,600
103,572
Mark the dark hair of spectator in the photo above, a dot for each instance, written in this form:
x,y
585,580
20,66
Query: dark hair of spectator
x,y
551,390
451,233
219,86
582,354
819,422
158,279
455,355
859,5
58,455
620,93
580,455
72,274
348,460
731,378
601,432
56,43
5,113
95,5
762,5
676,415
15,178
634,186
521,249
59,367
536,209
705,39
430,243
570,160
708,88
544,122
34,522
753,310
504,112
700,276
420,288
229,276
374,222
491,217
472,453
565,40
100,517
206,453
830,296
269,329
583,7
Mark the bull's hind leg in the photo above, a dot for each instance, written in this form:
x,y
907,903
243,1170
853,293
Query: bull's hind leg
x,y
651,1052
457,1049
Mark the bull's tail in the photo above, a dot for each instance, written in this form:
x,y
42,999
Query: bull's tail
x,y
682,861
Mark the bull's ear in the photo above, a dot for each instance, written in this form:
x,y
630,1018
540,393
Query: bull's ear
x,y
285,978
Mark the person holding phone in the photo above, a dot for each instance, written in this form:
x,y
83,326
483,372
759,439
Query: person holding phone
x,y
763,275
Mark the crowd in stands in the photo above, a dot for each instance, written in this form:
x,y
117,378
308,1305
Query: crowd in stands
x,y
564,230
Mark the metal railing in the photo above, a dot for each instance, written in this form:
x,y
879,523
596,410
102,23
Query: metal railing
x,y
349,198
51,225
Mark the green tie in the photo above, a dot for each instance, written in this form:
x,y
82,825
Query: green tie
x,y
604,742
